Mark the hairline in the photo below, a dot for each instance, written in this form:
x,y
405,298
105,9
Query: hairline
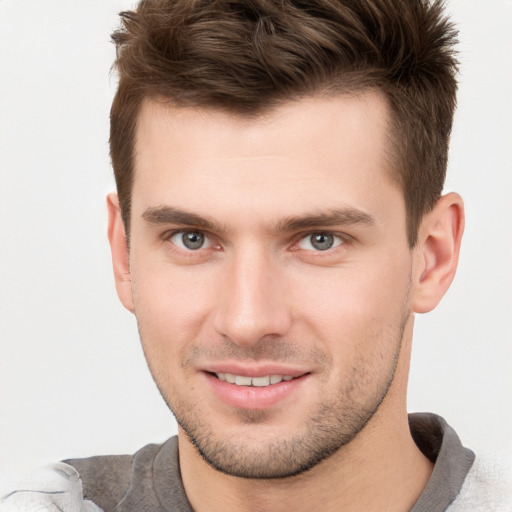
x,y
392,158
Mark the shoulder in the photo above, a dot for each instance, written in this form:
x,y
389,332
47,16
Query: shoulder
x,y
108,480
105,478
52,487
487,488
101,483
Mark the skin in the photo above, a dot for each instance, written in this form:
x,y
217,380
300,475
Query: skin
x,y
259,298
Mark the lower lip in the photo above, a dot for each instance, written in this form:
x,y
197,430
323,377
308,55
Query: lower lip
x,y
254,397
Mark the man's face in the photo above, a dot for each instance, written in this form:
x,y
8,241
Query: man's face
x,y
272,253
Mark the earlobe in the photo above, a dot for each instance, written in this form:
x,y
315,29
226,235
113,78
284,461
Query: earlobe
x,y
437,252
120,252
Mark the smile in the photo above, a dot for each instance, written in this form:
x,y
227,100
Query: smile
x,y
256,388
242,380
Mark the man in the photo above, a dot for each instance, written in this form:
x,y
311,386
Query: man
x,y
278,222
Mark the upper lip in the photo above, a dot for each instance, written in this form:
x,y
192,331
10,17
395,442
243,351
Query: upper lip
x,y
254,370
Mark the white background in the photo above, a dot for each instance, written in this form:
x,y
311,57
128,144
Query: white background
x,y
73,381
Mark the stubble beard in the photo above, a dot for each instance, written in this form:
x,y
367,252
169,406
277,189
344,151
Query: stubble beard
x,y
323,434
333,424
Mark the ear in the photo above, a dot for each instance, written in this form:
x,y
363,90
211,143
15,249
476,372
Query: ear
x,y
437,252
120,252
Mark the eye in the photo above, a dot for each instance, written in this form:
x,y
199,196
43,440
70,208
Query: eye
x,y
190,240
321,241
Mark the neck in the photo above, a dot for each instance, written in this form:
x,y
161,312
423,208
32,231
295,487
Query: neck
x,y
380,469
366,475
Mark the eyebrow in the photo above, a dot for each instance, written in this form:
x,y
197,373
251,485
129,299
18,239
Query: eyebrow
x,y
170,215
331,217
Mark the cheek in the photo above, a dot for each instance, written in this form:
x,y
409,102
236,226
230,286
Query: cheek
x,y
353,302
171,305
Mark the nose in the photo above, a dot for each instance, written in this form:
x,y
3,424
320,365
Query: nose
x,y
252,303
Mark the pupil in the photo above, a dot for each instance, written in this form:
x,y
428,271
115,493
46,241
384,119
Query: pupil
x,y
192,240
322,241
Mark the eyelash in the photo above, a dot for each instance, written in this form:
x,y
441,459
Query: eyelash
x,y
342,239
338,240
199,253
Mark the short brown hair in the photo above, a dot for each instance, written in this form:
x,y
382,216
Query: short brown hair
x,y
247,56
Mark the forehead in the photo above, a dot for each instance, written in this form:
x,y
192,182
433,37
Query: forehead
x,y
311,119
316,152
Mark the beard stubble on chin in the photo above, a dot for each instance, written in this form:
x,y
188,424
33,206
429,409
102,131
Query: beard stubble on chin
x,y
333,423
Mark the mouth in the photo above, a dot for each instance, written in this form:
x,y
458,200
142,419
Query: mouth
x,y
259,382
258,391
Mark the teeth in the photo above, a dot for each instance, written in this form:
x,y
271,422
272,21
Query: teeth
x,y
261,381
241,380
